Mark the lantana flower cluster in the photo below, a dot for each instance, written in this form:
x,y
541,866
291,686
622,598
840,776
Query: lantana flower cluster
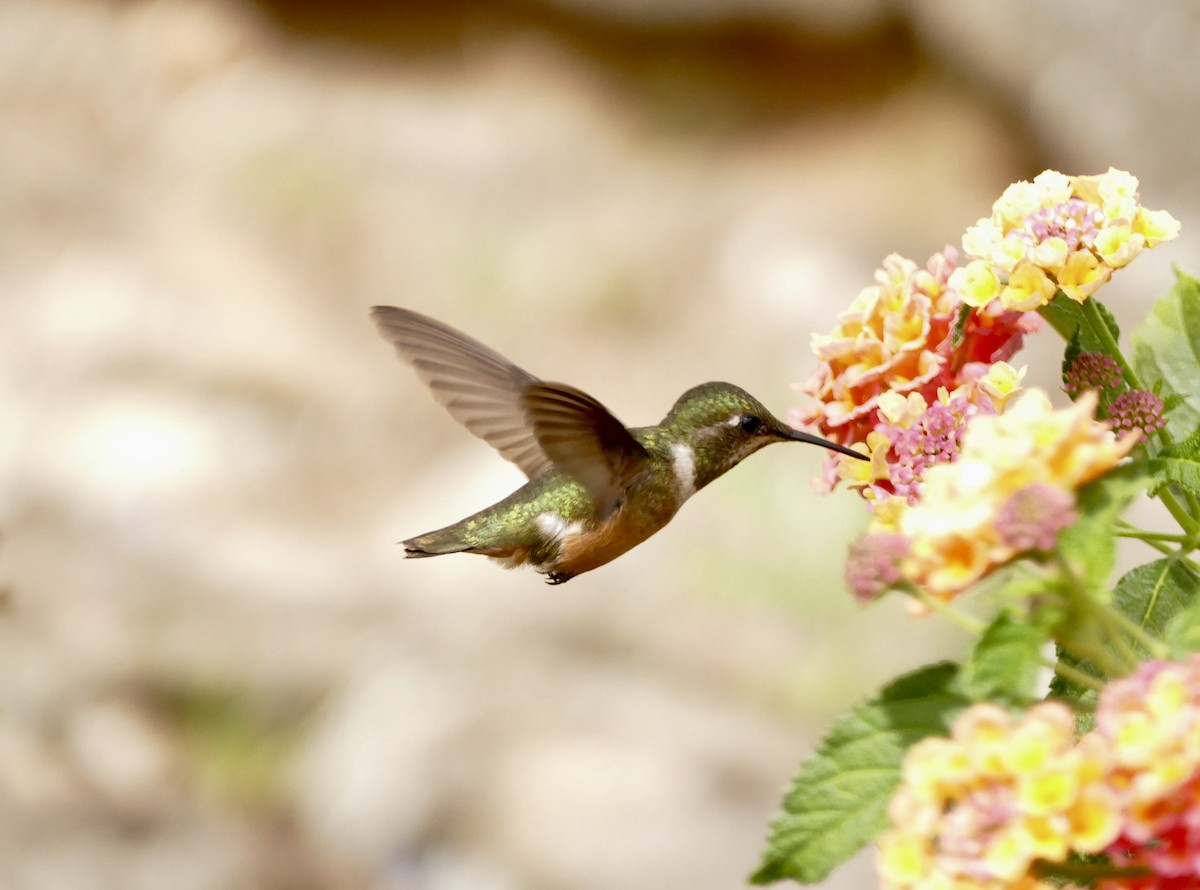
x,y
903,373
1010,489
967,471
1058,232
1150,722
896,340
978,809
1004,799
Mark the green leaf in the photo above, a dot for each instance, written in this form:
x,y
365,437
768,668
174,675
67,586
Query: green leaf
x,y
1160,598
1064,315
1166,352
1080,698
1068,318
1183,633
1070,354
1154,595
959,331
1076,327
1005,663
1177,464
1089,546
838,800
1110,321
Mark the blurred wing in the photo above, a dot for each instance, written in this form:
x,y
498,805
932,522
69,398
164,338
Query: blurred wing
x,y
479,387
582,438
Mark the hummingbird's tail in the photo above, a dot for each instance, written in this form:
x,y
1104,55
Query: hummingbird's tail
x,y
434,544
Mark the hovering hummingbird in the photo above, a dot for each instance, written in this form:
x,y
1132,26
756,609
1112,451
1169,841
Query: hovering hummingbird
x,y
595,488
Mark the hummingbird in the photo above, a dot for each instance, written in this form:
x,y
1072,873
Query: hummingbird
x,y
595,489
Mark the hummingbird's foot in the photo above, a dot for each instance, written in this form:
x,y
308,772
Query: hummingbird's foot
x,y
559,577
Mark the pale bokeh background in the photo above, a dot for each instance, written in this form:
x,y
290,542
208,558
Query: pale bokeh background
x,y
216,669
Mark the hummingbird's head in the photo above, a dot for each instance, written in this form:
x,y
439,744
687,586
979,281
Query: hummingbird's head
x,y
723,424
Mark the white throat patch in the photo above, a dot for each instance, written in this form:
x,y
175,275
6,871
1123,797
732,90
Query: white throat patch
x,y
684,465
555,528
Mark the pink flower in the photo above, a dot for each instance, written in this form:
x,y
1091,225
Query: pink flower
x,y
1091,370
1136,410
897,337
874,565
1033,516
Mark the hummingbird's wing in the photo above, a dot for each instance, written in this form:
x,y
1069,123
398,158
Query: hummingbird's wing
x,y
584,439
479,387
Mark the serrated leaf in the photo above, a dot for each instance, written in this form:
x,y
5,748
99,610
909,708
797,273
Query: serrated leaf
x,y
1081,699
1064,315
1166,353
1177,464
1183,633
1089,545
1110,321
1154,594
1071,353
1068,318
1076,327
838,800
1005,663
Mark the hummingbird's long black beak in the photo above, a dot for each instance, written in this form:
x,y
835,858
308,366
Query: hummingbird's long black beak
x,y
799,436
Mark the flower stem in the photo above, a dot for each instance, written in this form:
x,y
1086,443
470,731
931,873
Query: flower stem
x,y
1089,872
1091,311
1179,512
1117,658
1137,633
1075,675
1155,540
966,622
1130,532
1095,320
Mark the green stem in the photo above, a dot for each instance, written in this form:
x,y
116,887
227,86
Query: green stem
x,y
1088,872
966,622
1091,311
1114,663
1193,503
1179,512
1075,675
1152,536
1158,540
1151,644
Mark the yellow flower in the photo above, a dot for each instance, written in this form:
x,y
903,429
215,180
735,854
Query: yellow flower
x,y
953,529
1076,230
1001,383
903,860
900,409
1082,275
980,239
1156,226
1028,288
980,808
1051,253
881,344
1118,244
1095,818
1018,201
976,283
1054,187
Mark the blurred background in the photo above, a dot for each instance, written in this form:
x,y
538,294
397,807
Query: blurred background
x,y
216,669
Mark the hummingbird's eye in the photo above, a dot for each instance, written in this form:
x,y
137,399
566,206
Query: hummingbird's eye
x,y
750,424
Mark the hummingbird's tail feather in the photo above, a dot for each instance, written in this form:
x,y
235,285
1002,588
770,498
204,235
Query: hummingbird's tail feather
x,y
447,540
434,544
